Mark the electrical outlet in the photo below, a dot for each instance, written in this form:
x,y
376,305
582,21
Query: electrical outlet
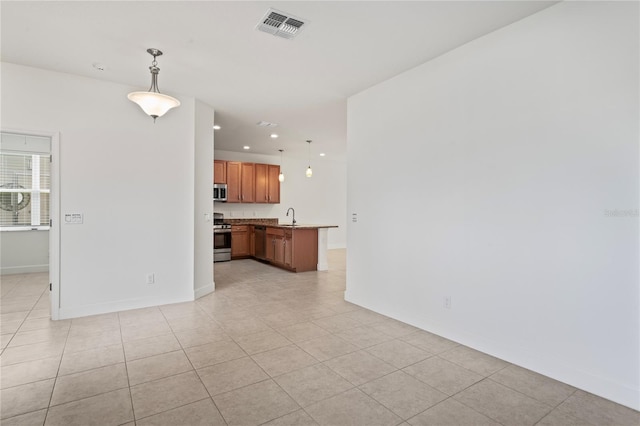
x,y
151,278
447,302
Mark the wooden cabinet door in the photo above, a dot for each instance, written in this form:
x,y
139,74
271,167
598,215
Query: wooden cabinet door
x,y
234,182
288,250
247,184
239,241
304,247
273,191
262,184
270,248
278,255
252,240
219,171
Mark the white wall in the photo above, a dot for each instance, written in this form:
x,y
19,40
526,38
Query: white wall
x,y
132,179
24,251
321,199
203,230
505,155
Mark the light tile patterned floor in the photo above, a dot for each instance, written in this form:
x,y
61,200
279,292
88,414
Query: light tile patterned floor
x,y
268,347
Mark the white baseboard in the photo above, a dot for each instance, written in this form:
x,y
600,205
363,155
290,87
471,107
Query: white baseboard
x,y
122,305
204,290
25,269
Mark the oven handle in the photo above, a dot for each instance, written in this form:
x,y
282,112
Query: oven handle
x,y
222,231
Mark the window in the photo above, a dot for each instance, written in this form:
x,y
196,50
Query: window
x,y
25,182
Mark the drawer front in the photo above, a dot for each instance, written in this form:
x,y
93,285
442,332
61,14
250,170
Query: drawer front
x,y
238,228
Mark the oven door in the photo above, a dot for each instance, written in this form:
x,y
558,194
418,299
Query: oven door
x,y
221,245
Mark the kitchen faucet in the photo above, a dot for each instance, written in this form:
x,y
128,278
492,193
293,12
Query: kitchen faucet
x,y
294,215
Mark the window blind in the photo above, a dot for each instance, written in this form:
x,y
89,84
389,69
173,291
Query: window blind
x,y
25,182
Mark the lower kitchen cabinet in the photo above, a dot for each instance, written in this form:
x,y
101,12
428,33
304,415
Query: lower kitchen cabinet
x,y
252,240
294,249
273,244
240,241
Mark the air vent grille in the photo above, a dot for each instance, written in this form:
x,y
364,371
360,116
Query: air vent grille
x,y
280,24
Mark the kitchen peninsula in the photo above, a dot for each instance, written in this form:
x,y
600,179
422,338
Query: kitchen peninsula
x,y
298,248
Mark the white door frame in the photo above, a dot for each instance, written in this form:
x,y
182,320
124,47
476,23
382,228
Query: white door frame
x,y
54,215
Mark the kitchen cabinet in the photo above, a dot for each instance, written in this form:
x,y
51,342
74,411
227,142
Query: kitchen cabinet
x,y
288,249
262,183
233,181
293,249
219,171
240,241
252,240
274,251
250,182
273,184
240,182
267,183
247,187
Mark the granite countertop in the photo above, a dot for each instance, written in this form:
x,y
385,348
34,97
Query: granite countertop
x,y
300,226
273,223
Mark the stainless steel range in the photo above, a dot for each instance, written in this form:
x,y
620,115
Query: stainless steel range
x,y
221,239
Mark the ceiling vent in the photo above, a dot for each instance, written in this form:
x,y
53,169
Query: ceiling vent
x,y
280,24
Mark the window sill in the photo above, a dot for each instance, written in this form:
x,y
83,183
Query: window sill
x,y
24,228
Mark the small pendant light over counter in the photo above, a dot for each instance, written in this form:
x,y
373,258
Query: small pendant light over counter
x,y
154,103
281,175
309,172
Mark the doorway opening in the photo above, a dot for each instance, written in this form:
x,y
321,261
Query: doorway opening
x,y
29,238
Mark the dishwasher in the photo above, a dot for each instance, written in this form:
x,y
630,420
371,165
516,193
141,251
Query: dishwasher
x,y
260,241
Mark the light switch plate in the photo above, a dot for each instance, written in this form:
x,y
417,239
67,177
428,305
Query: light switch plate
x,y
74,218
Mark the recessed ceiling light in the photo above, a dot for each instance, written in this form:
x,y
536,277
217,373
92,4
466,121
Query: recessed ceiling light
x,y
246,147
216,127
322,154
274,136
266,124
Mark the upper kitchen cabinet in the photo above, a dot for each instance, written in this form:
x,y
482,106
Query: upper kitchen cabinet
x,y
240,182
262,183
219,171
234,168
273,184
267,183
249,182
248,179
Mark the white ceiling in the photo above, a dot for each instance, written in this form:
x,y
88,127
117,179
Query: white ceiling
x,y
213,52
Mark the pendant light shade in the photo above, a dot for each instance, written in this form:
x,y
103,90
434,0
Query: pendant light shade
x,y
309,172
154,103
281,175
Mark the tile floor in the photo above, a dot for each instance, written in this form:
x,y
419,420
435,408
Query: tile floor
x,y
268,347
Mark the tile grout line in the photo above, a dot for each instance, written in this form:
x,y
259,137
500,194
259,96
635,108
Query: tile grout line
x,y
126,370
195,371
55,378
13,335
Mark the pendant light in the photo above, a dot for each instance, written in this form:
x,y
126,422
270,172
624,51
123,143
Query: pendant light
x,y
309,172
154,103
281,175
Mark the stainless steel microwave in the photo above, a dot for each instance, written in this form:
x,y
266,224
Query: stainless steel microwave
x,y
219,192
